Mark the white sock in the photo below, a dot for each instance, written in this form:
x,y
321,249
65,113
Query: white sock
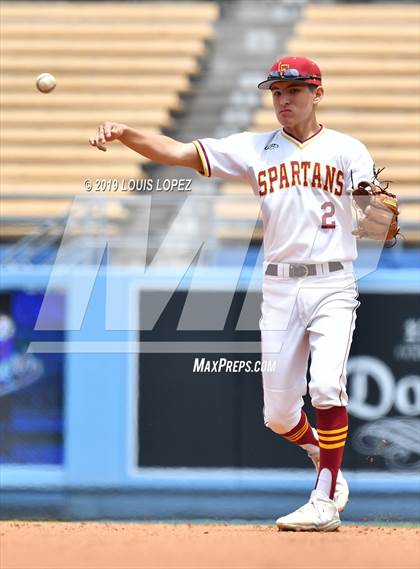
x,y
324,481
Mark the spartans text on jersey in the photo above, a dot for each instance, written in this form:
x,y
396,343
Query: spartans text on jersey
x,y
304,173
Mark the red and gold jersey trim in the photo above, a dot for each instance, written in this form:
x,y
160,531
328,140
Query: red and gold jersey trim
x,y
203,157
302,143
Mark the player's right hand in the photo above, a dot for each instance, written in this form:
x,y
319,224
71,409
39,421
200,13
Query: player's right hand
x,y
107,132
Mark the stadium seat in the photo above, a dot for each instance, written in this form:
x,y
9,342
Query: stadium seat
x,y
63,173
111,30
114,11
76,83
364,29
39,118
131,48
107,101
89,63
392,13
53,135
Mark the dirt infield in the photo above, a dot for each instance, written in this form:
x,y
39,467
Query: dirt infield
x,y
86,545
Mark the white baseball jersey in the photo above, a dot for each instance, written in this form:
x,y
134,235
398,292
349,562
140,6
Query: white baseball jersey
x,y
304,188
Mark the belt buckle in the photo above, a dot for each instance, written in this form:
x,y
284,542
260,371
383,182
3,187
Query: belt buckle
x,y
298,271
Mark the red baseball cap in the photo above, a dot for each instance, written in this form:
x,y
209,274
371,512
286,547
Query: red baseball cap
x,y
298,69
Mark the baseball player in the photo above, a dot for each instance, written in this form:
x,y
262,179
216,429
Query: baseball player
x,y
303,174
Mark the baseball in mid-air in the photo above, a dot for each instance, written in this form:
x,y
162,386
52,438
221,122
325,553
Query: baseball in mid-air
x,y
45,82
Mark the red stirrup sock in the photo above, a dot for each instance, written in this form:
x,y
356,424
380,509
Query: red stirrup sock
x,y
332,427
302,434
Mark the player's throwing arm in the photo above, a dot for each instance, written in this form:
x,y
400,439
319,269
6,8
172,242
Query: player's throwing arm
x,y
156,147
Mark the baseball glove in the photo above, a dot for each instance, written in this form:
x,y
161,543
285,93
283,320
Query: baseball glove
x,y
378,211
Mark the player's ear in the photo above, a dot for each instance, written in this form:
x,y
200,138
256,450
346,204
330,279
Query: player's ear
x,y
318,94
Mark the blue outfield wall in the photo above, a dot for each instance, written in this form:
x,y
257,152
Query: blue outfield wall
x,y
99,478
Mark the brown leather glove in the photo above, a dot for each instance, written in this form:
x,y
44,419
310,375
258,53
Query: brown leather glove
x,y
379,212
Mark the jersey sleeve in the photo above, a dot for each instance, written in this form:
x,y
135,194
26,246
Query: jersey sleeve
x,y
225,157
360,166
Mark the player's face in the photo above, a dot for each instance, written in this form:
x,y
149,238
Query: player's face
x,y
294,103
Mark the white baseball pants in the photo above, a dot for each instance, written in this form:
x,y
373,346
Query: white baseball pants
x,y
313,315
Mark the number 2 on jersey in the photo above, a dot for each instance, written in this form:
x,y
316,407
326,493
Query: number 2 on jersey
x,y
327,222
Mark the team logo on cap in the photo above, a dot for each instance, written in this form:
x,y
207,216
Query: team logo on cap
x,y
282,67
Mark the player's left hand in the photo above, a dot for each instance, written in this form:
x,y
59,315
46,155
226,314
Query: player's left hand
x,y
379,212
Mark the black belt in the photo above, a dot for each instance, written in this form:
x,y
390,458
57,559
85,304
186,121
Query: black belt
x,y
297,270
